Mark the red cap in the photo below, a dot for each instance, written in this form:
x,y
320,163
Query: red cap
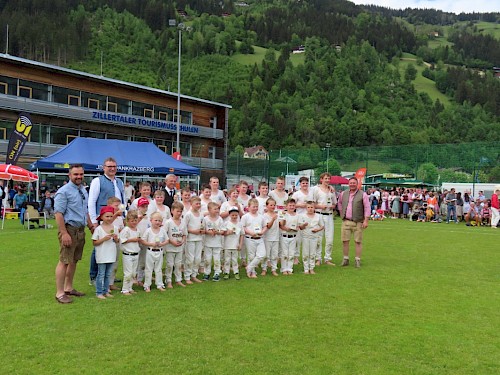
x,y
104,210
142,201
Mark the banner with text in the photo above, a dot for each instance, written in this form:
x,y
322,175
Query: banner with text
x,y
18,138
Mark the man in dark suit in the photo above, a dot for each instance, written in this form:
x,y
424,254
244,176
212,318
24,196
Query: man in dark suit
x,y
170,180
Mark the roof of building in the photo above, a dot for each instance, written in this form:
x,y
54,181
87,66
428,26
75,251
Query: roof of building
x,y
254,149
49,67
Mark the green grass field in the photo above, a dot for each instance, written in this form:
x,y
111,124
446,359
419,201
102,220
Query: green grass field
x,y
425,301
423,84
258,56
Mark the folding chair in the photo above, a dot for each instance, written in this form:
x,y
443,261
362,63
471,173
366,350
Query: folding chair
x,y
32,215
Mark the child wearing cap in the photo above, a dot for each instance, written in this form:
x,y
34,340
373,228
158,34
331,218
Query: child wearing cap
x,y
154,239
104,239
233,240
142,226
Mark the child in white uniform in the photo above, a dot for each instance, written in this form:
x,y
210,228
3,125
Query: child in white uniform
x,y
104,239
326,200
271,237
154,238
254,226
142,226
301,196
262,198
145,190
232,243
231,203
194,245
214,229
117,222
129,245
205,199
177,233
157,206
311,223
289,226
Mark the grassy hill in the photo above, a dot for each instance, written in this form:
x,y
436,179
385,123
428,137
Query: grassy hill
x,y
258,56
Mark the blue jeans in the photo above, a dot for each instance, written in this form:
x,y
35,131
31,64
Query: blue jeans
x,y
93,266
104,271
448,213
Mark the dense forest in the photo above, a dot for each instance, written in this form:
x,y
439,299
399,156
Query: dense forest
x,y
349,90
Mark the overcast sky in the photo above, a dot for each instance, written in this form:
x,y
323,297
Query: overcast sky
x,y
453,6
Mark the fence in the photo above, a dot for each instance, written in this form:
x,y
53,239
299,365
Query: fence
x,y
431,163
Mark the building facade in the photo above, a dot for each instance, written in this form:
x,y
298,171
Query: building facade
x,y
64,104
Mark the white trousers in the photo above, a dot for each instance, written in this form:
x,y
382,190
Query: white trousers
x,y
231,260
288,247
129,271
174,264
327,235
154,262
212,252
256,253
141,264
272,251
309,246
192,258
495,217
296,253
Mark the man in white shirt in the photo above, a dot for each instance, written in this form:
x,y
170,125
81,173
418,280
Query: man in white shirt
x,y
129,192
170,181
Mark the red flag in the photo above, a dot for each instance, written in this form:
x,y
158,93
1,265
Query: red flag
x,y
360,176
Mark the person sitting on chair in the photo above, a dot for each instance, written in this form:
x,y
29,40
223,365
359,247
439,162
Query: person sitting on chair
x,y
47,205
472,215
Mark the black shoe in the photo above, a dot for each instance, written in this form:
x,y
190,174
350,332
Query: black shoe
x,y
206,277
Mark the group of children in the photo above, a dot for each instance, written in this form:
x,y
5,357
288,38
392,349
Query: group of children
x,y
199,234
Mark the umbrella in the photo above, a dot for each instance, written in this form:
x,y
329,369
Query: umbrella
x,y
15,173
339,180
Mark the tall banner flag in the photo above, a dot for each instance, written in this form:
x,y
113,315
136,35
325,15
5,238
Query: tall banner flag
x,y
18,138
360,176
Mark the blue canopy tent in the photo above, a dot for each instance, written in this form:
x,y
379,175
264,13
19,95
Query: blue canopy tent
x,y
131,157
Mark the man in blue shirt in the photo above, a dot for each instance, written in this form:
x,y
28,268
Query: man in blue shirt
x,y
71,214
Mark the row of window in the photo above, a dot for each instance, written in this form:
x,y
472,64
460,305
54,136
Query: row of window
x,y
55,135
61,95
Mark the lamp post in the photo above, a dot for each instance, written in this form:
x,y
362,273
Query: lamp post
x,y
327,146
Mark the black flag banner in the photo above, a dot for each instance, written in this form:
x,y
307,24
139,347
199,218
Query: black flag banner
x,y
18,138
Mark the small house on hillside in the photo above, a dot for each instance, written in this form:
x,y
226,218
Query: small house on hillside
x,y
255,152
299,49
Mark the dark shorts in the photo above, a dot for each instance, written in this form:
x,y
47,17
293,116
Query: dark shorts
x,y
73,253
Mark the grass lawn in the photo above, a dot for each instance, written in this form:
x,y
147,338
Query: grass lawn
x,y
426,301
423,84
439,42
258,56
490,28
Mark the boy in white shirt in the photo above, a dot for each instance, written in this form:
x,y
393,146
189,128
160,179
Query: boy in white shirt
x,y
216,195
214,229
157,206
326,201
186,199
243,197
232,243
194,245
231,203
118,223
129,245
177,233
289,226
254,226
262,198
311,223
301,196
142,226
155,238
205,199
279,194
271,238
145,191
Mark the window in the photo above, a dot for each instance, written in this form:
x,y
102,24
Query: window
x,y
213,122
148,113
118,136
3,133
74,100
59,136
3,88
163,116
39,133
163,148
112,107
25,92
69,138
185,149
211,152
91,134
93,103
175,118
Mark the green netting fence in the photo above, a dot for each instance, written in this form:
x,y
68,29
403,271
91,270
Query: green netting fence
x,y
432,163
